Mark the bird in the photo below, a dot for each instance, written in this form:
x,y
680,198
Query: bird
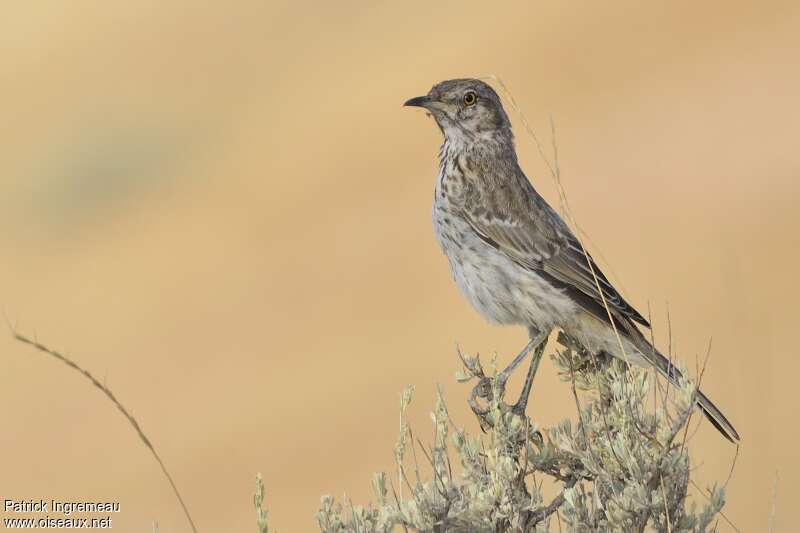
x,y
513,256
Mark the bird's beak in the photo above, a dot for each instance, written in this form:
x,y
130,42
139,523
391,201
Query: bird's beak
x,y
419,101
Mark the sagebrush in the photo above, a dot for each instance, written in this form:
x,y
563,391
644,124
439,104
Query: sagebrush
x,y
621,465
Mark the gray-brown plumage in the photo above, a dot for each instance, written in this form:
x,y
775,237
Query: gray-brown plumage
x,y
511,254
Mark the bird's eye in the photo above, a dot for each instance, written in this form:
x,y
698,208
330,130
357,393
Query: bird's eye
x,y
469,98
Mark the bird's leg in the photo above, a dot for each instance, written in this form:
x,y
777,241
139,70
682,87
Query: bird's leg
x,y
537,343
522,403
537,337
503,376
487,386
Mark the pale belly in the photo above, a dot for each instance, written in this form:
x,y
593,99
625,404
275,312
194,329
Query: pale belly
x,y
502,291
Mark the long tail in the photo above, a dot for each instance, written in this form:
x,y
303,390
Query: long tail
x,y
716,418
669,371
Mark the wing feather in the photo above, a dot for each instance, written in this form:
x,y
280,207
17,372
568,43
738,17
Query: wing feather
x,y
533,235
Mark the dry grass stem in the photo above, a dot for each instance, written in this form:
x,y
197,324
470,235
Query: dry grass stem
x,y
110,395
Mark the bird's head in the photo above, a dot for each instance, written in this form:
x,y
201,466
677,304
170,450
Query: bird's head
x,y
466,110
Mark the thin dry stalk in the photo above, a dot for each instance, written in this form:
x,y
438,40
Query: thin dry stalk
x,y
555,172
666,509
699,382
723,515
110,395
774,503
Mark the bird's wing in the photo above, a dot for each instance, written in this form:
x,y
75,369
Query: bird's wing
x,y
533,235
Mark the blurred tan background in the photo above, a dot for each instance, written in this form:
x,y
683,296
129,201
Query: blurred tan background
x,y
224,212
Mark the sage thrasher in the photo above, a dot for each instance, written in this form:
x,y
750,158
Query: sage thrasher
x,y
512,255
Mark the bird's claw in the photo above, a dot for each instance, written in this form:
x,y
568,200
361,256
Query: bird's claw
x,y
485,390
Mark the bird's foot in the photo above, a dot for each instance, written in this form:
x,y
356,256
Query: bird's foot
x,y
484,390
487,390
491,389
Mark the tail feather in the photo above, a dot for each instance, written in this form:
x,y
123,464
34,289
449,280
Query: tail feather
x,y
716,418
671,372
